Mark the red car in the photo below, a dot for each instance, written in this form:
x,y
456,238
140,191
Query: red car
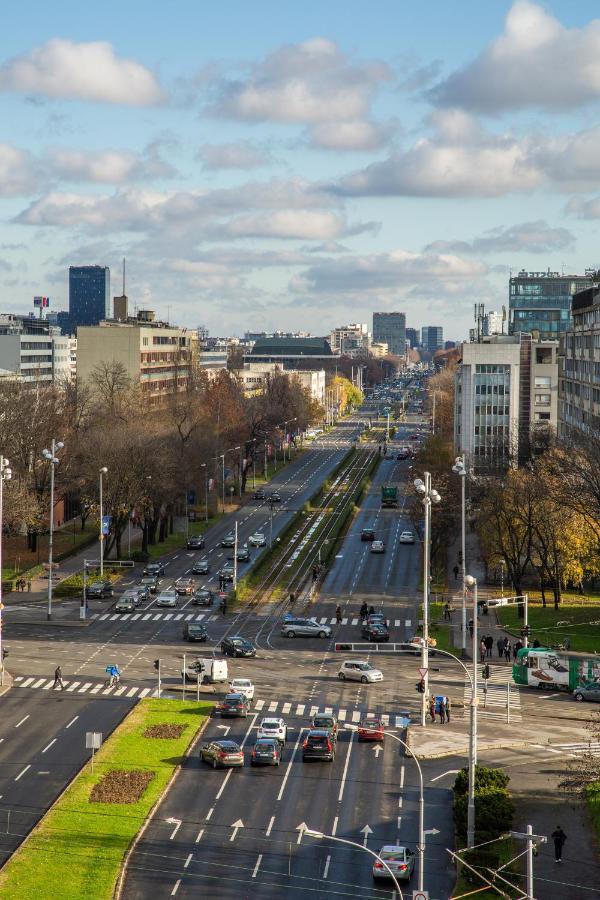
x,y
371,730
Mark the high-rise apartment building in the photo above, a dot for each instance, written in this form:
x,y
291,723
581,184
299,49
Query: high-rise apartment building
x,y
579,368
350,340
390,328
412,338
89,295
540,302
432,338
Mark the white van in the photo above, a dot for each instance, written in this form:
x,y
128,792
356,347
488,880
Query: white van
x,y
214,670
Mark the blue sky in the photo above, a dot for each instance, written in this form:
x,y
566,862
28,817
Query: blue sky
x,y
272,165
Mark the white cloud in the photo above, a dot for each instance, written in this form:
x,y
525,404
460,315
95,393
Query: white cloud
x,y
527,237
236,155
108,166
17,172
287,224
584,209
80,71
314,83
535,62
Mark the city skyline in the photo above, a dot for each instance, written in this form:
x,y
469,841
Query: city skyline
x,y
306,166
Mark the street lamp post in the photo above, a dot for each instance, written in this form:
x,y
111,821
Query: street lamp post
x,y
460,469
5,475
102,472
429,496
471,582
50,456
205,467
330,837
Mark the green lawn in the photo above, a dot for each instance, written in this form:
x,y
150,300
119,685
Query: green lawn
x,y
439,630
579,621
77,850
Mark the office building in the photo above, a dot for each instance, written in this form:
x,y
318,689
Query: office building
x,y
579,368
506,395
390,328
293,353
432,338
412,338
34,350
89,295
351,340
540,302
157,356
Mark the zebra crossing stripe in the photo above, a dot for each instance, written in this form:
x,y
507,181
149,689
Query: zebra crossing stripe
x,y
354,621
96,688
72,686
385,720
323,621
105,616
286,708
144,692
328,710
356,716
85,687
344,621
27,682
300,709
168,616
119,691
38,683
259,704
342,715
132,692
146,617
47,686
273,706
313,711
189,617
157,616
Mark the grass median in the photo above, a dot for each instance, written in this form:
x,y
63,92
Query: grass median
x,y
77,850
578,621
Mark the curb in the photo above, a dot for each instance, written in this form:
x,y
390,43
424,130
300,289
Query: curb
x,y
8,683
118,891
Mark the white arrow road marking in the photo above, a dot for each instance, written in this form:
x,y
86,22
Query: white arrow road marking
x,y
432,831
366,831
236,827
443,775
377,748
301,828
226,729
176,823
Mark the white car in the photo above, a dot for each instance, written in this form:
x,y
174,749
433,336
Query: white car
x,y
407,537
359,670
257,540
167,598
377,547
242,686
272,728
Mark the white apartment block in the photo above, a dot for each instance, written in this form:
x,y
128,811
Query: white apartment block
x,y
34,350
350,340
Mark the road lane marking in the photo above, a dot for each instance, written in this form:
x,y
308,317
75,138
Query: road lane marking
x,y
345,772
259,704
273,706
53,741
72,686
399,823
132,692
335,825
269,826
326,869
72,722
300,709
175,887
211,811
26,682
188,861
356,715
22,773
313,711
18,725
402,778
145,692
199,836
289,766
256,867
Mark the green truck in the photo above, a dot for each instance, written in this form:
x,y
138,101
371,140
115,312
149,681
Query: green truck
x,y
389,496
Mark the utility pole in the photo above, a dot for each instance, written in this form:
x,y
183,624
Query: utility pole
x,y
531,841
472,583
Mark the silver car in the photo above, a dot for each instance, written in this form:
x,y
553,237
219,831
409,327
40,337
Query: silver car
x,y
399,860
590,691
305,628
167,598
359,670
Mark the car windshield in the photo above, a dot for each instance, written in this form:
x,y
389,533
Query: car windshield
x,y
364,666
195,629
323,722
270,723
242,682
397,855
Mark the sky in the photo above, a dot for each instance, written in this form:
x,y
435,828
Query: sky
x,y
296,166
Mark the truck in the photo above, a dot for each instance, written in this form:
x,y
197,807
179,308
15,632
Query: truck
x,y
210,669
389,495
548,669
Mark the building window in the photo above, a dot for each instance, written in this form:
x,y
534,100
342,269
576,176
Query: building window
x,y
543,399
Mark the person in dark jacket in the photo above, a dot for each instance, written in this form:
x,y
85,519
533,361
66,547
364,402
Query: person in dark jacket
x,y
559,838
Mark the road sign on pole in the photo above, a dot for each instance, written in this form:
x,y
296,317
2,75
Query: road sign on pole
x,y
93,741
423,672
420,895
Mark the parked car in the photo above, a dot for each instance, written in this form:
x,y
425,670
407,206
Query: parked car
x,y
236,705
266,752
125,605
194,632
589,691
257,539
222,754
202,567
228,540
323,720
377,547
376,632
305,628
242,686
150,582
407,537
98,590
367,534
195,542
167,598
371,730
319,744
237,646
203,597
271,727
155,568
400,861
184,586
359,670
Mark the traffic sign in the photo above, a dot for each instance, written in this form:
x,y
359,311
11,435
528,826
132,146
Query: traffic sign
x,y
423,672
420,895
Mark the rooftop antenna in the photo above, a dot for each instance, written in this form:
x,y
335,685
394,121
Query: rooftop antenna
x,y
123,276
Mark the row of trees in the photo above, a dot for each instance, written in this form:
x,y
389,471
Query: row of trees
x,y
157,456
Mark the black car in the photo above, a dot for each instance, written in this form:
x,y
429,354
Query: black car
x,y
243,555
99,590
266,752
227,571
234,705
193,631
195,542
202,567
155,568
237,646
150,582
274,498
319,744
259,494
203,597
228,540
376,632
367,534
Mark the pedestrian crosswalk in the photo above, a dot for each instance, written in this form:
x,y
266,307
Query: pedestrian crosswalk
x,y
153,616
324,620
344,715
494,694
86,687
576,749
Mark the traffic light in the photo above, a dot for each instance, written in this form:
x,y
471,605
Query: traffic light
x,y
525,632
157,665
198,667
421,686
485,672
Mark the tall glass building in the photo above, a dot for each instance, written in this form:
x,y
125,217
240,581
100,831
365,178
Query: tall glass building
x,y
390,328
89,295
540,302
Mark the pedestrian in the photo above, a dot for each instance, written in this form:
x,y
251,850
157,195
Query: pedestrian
x,y
447,706
29,585
432,709
500,646
364,611
447,610
515,651
489,643
482,651
456,571
518,646
442,710
559,838
471,627
507,651
338,614
58,680
505,645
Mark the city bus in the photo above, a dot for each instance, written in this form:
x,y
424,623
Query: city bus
x,y
548,669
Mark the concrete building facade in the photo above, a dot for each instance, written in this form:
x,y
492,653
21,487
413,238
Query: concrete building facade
x,y
34,350
579,368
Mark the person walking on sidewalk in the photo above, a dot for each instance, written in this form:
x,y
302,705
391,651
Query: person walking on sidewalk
x,y
447,707
489,643
500,646
58,680
29,585
482,650
447,611
443,711
559,838
432,709
507,651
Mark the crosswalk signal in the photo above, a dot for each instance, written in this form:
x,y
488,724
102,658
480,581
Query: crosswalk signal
x,y
525,631
157,665
485,672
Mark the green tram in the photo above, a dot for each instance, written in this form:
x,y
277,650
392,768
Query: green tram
x,y
549,669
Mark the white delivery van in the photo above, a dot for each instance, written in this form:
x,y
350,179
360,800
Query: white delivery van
x,y
213,670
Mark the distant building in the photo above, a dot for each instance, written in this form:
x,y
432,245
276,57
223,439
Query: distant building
x,y
34,350
493,323
89,295
506,392
579,368
293,353
449,345
390,328
351,340
378,349
121,307
413,338
540,302
432,338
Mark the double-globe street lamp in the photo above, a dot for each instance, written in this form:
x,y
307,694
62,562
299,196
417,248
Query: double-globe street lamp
x,y
5,475
459,468
51,457
429,496
103,471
